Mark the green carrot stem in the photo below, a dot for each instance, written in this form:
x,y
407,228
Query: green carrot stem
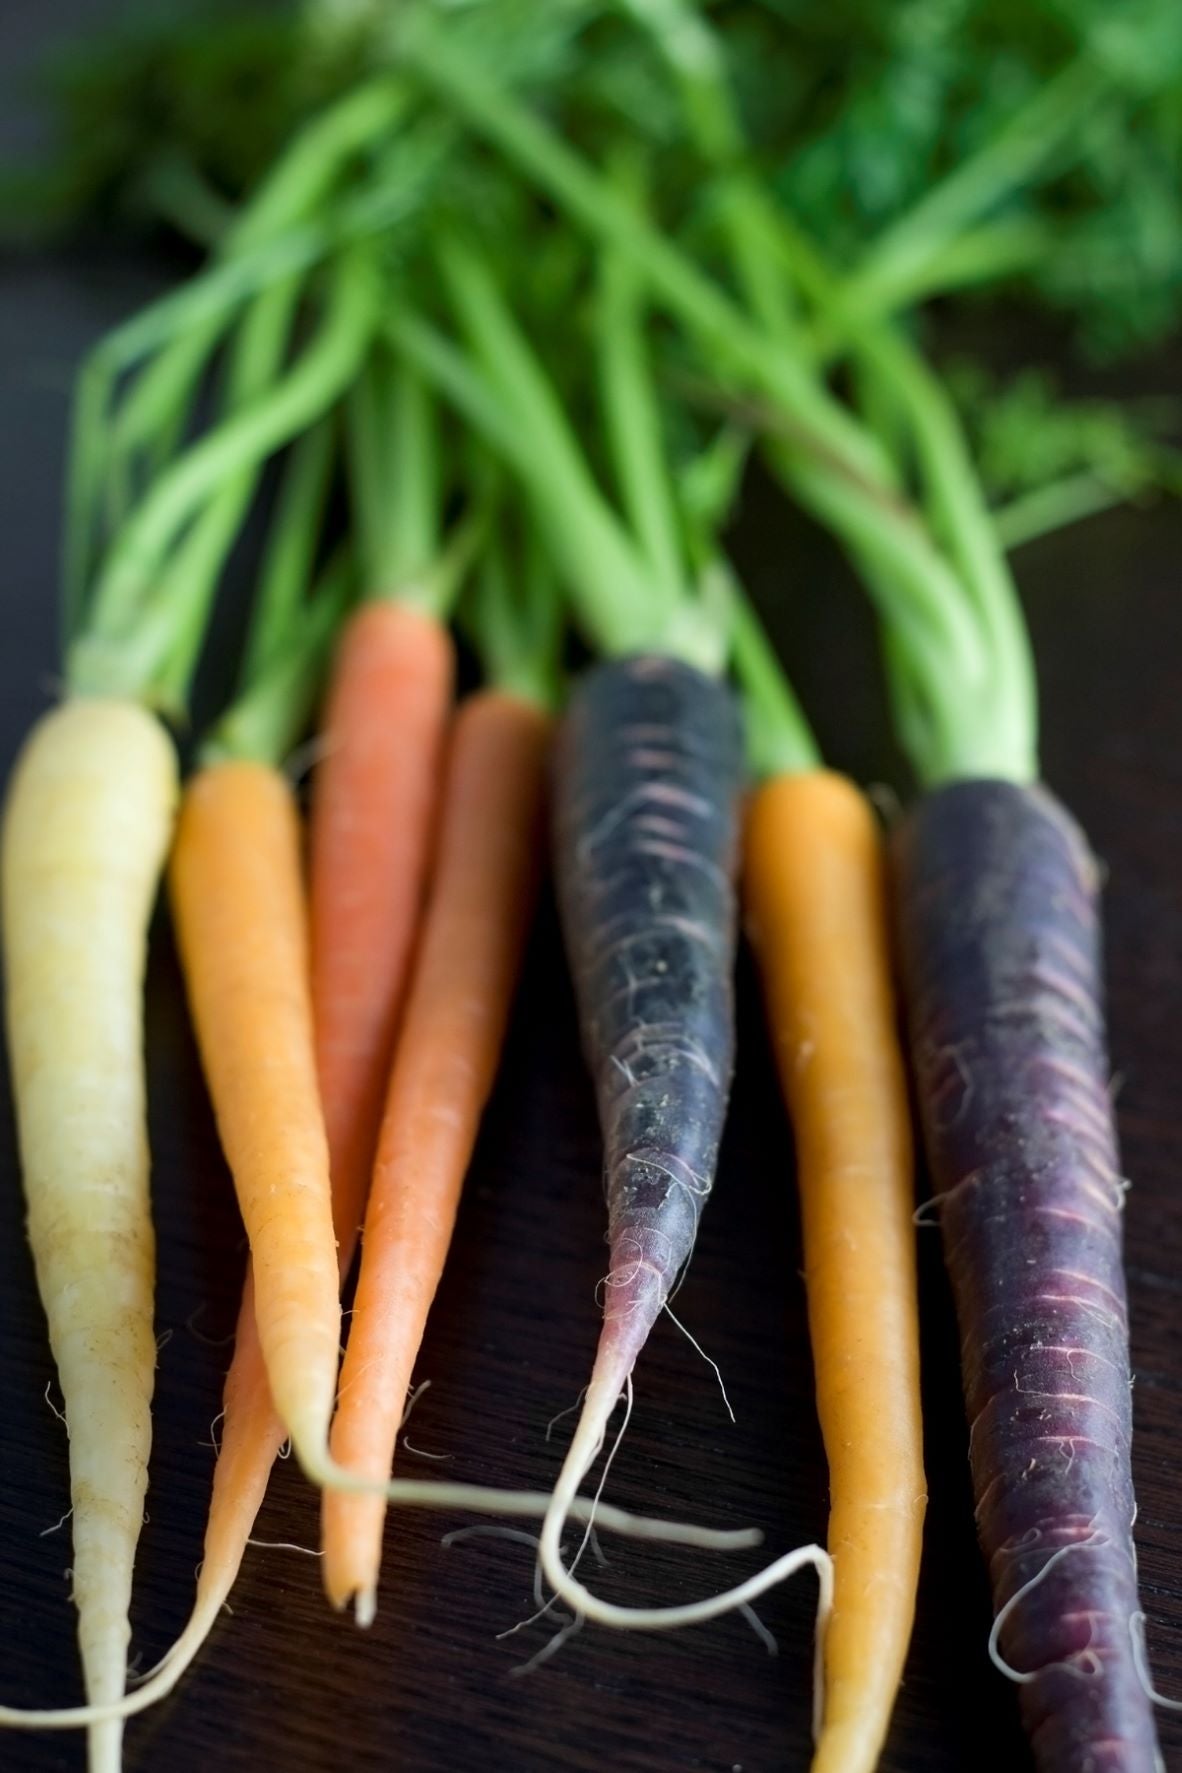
x,y
152,414
243,440
779,738
190,322
292,543
707,488
194,316
307,171
269,716
189,580
416,501
1034,134
515,617
633,423
834,464
158,661
693,52
370,467
998,671
922,729
178,191
83,477
270,242
986,254
396,478
568,502
925,597
619,602
443,579
477,401
1054,506
959,510
721,326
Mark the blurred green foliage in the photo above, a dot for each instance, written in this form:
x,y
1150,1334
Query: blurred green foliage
x,y
853,112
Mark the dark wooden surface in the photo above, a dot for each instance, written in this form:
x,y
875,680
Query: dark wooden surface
x,y
430,1688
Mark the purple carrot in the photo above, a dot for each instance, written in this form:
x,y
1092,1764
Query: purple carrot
x,y
1000,950
649,777
647,801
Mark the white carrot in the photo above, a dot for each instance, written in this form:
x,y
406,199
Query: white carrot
x,y
86,831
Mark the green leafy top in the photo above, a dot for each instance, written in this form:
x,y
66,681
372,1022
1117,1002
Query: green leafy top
x,y
1071,109
295,617
649,123
629,559
961,667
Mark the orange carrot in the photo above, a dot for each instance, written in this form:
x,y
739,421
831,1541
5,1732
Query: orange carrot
x,y
374,799
238,907
474,932
816,911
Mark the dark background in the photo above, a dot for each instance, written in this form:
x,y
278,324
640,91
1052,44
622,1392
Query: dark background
x,y
283,1681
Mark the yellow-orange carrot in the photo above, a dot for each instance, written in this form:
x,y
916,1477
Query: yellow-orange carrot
x,y
815,905
473,934
238,906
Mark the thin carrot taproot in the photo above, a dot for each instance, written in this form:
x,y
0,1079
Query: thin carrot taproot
x,y
474,931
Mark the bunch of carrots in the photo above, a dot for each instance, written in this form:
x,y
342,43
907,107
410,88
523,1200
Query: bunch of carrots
x,y
550,474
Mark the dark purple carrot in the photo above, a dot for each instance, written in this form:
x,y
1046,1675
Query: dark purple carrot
x,y
1000,949
650,769
647,803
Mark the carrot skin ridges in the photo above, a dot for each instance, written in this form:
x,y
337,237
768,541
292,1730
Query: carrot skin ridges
x,y
86,830
815,905
238,907
374,802
647,794
474,931
999,926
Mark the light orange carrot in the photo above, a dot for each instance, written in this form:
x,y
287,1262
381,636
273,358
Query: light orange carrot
x,y
473,935
815,904
373,811
238,907
374,802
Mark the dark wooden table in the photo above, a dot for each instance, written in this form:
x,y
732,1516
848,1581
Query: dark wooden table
x,y
430,1688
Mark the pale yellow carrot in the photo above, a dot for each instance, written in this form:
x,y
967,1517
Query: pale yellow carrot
x,y
86,830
